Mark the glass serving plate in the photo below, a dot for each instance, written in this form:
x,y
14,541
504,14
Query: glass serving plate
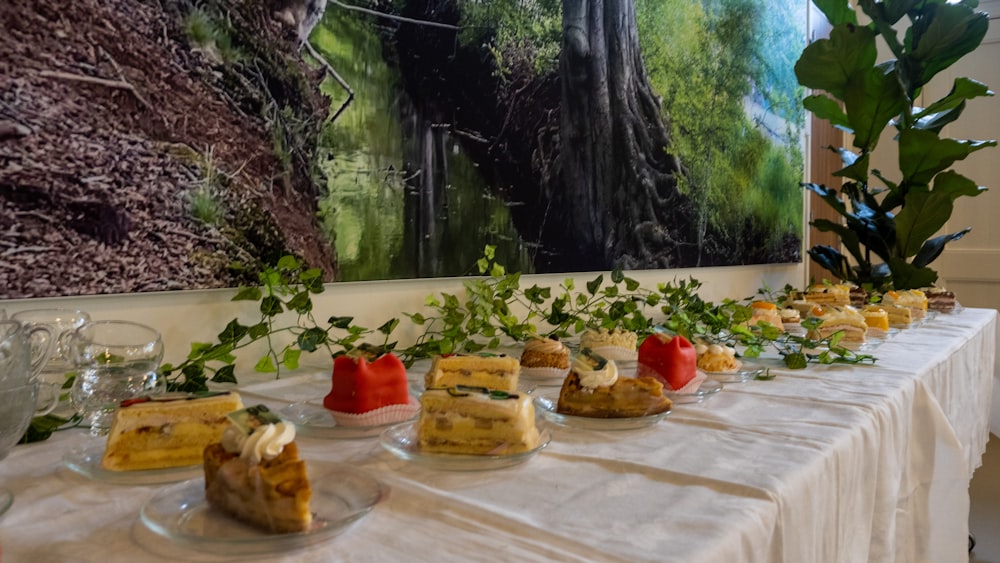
x,y
546,405
745,373
707,388
401,441
316,422
85,459
341,495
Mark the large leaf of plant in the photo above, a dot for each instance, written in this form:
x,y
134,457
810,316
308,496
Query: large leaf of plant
x,y
908,276
825,107
933,247
837,11
922,154
827,64
924,213
831,259
946,33
963,89
873,97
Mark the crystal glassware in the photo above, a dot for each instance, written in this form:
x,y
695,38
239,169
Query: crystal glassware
x,y
115,361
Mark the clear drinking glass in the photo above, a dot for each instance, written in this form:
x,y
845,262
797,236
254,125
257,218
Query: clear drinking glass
x,y
115,361
62,323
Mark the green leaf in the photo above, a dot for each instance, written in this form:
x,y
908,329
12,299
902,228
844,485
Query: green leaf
x,y
312,280
225,374
796,360
872,98
617,276
311,339
825,107
258,330
233,332
265,365
595,284
340,322
837,11
389,326
247,294
933,248
42,427
962,89
291,358
631,284
946,33
921,217
828,64
288,263
270,306
497,271
301,303
922,154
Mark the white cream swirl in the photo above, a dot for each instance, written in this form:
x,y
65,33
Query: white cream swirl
x,y
591,378
265,443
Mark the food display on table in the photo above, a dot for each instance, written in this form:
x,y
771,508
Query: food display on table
x,y
492,371
594,388
765,311
545,358
790,316
254,473
461,419
940,299
858,296
672,360
718,358
828,294
912,299
616,344
844,319
899,316
166,431
877,320
369,389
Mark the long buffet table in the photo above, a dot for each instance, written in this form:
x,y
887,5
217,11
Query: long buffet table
x,y
830,463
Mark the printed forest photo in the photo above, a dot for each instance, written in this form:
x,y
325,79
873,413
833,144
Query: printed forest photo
x,y
151,145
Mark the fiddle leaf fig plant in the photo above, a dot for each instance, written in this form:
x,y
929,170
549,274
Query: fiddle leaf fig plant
x,y
891,218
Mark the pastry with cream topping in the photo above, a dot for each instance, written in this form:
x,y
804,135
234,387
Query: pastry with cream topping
x,y
845,319
594,389
717,358
475,420
615,344
765,311
255,475
545,358
877,320
163,432
940,299
912,299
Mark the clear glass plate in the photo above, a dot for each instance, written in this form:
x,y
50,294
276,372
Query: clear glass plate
x,y
401,440
707,388
547,405
317,422
746,373
85,459
340,496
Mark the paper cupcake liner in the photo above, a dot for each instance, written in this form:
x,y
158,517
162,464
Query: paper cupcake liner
x,y
536,373
616,353
691,386
378,417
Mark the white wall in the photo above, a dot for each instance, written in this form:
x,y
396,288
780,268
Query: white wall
x,y
190,316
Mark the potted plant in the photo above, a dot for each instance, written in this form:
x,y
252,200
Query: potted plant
x,y
891,220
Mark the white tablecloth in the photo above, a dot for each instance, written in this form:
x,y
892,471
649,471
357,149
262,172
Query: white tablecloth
x,y
827,464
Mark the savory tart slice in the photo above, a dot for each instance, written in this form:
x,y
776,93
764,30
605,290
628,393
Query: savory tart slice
x,y
593,389
255,475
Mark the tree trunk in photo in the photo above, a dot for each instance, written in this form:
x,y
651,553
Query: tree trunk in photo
x,y
619,189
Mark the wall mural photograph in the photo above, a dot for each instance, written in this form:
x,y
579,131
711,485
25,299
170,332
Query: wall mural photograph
x,y
175,144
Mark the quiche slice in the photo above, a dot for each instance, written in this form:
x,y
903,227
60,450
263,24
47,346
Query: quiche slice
x,y
272,495
625,398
